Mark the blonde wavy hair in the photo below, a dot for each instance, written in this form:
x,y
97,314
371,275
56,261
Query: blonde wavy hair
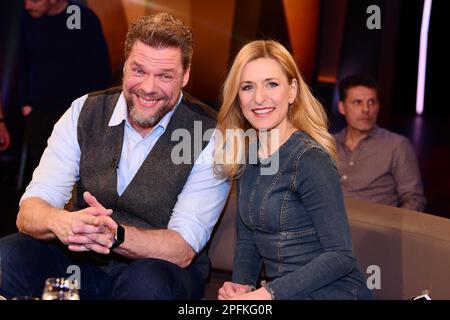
x,y
306,112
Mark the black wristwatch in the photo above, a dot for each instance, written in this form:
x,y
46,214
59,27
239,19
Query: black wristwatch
x,y
119,238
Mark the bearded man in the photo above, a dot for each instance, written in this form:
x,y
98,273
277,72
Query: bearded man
x,y
140,221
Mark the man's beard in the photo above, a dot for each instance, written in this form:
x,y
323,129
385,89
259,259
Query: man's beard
x,y
141,119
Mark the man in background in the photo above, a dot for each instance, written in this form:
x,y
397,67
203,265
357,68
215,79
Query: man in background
x,y
58,63
375,164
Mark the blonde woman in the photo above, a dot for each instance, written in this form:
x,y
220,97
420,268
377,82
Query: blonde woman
x,y
293,220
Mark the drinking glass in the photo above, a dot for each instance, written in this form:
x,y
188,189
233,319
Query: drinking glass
x,y
60,289
25,298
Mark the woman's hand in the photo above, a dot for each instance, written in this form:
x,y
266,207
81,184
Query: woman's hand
x,y
231,290
260,294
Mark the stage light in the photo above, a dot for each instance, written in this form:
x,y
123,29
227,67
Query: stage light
x,y
421,78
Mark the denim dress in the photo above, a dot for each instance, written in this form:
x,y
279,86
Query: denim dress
x,y
294,223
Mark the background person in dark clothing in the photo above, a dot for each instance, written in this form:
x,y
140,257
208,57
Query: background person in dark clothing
x,y
57,64
4,134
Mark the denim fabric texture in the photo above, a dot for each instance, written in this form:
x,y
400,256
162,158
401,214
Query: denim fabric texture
x,y
294,223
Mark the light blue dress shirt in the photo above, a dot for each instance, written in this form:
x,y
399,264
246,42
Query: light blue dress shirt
x,y
198,205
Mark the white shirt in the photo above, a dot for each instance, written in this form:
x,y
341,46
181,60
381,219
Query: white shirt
x,y
198,205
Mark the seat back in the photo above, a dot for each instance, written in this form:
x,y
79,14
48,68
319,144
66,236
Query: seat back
x,y
411,250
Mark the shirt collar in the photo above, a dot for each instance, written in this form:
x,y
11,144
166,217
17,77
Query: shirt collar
x,y
342,135
374,131
120,113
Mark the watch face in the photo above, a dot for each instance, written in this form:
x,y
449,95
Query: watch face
x,y
120,236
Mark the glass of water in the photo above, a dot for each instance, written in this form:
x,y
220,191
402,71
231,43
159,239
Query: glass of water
x,y
25,298
60,289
